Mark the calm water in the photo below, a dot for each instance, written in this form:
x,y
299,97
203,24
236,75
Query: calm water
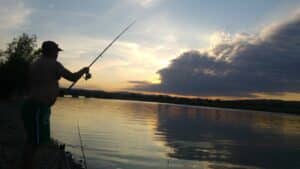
x,y
138,135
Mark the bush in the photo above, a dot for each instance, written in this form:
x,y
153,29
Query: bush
x,y
14,65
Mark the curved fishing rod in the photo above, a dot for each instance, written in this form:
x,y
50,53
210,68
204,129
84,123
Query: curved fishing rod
x,y
105,49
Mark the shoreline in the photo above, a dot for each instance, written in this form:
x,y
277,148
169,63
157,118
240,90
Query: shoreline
x,y
12,143
269,106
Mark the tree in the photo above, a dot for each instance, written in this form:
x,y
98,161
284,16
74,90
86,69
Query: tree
x,y
14,64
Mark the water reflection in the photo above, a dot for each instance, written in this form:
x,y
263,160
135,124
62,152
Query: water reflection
x,y
138,135
234,137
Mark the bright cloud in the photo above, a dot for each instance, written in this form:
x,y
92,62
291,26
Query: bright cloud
x,y
13,13
125,60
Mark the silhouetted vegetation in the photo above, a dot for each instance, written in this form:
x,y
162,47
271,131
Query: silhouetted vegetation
x,y
14,64
262,105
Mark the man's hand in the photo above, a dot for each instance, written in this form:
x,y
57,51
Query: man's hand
x,y
86,70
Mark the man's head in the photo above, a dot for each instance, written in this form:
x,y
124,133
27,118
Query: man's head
x,y
50,49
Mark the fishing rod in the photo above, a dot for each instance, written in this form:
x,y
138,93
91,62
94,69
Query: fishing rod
x,y
104,50
81,146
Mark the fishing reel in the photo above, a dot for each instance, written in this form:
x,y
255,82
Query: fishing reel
x,y
87,76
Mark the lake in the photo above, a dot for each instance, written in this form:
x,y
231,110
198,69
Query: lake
x,y
141,135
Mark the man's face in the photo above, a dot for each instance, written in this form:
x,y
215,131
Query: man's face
x,y
56,54
53,54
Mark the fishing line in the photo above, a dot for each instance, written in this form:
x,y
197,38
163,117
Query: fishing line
x,y
81,146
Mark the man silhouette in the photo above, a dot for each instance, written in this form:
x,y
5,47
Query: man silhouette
x,y
44,75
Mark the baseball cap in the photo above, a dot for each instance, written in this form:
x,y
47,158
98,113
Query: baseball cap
x,y
48,46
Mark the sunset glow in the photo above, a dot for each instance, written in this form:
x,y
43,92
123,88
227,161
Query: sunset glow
x,y
145,59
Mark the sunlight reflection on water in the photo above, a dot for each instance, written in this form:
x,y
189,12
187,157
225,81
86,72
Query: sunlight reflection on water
x,y
139,135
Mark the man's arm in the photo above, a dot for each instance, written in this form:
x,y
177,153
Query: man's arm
x,y
65,73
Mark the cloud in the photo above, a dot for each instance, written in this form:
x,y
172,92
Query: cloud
x,y
13,13
124,60
237,65
144,3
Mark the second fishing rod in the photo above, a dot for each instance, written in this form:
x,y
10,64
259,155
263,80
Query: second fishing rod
x,y
88,75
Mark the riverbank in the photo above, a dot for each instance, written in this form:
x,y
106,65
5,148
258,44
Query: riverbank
x,y
280,106
12,141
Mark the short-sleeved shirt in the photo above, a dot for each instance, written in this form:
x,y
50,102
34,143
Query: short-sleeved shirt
x,y
44,75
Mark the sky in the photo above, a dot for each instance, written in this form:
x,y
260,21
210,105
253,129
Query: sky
x,y
204,48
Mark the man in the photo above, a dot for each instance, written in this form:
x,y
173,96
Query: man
x,y
44,75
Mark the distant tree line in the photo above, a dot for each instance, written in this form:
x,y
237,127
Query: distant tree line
x,y
292,107
14,65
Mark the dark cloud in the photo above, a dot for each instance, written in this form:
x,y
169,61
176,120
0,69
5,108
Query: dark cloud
x,y
268,63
